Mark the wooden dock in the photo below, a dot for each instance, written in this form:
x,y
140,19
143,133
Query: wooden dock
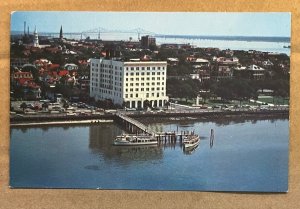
x,y
132,126
135,127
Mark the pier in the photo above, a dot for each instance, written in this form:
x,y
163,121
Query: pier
x,y
135,127
131,125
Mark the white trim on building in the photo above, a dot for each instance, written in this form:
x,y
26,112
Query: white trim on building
x,y
130,82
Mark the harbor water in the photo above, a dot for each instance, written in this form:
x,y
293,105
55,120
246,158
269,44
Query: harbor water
x,y
246,155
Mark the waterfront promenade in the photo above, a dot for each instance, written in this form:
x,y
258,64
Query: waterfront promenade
x,y
109,116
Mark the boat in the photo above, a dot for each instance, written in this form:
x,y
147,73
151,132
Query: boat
x,y
191,141
135,140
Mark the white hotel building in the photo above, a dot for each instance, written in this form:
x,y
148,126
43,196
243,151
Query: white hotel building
x,y
130,82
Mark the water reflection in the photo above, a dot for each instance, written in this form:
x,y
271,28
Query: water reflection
x,y
101,142
190,151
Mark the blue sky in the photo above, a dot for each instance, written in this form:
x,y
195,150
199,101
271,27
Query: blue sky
x,y
179,23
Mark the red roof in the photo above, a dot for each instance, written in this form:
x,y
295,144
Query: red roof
x,y
63,73
53,66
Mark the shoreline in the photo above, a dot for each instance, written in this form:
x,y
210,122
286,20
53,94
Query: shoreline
x,y
147,117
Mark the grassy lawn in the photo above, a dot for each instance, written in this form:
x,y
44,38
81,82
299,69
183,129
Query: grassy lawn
x,y
190,102
277,100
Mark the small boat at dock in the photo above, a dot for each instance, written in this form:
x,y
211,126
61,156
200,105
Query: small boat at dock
x,y
191,141
135,140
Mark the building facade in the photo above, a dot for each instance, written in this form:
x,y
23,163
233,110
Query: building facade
x,y
133,84
148,41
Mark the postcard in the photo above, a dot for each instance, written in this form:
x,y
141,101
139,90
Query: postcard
x,y
183,101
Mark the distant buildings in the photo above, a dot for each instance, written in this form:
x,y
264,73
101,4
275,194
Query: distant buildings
x,y
147,42
133,84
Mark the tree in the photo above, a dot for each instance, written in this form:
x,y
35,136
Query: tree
x,y
147,104
23,106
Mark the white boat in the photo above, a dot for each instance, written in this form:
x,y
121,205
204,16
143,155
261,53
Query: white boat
x,y
135,140
191,141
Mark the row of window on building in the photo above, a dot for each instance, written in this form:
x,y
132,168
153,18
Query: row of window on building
x,y
143,73
147,95
143,68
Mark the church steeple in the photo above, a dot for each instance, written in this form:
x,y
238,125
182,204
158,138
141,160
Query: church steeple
x,y
35,38
61,33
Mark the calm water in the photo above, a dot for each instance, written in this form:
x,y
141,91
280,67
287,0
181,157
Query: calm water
x,y
246,156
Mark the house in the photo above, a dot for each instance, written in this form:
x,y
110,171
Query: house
x,y
71,67
172,61
226,60
18,62
257,73
84,83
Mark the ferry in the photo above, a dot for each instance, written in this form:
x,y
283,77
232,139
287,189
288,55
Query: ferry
x,y
135,140
191,141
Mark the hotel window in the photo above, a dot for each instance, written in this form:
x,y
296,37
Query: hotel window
x,y
147,89
142,79
163,73
148,68
152,94
126,74
152,89
148,79
137,84
137,74
153,83
147,95
157,88
131,95
158,83
153,68
126,79
158,68
132,68
153,78
136,95
136,89
158,73
131,79
126,95
157,94
148,73
131,73
126,89
153,73
142,89
131,89
137,68
143,68
163,83
131,84
142,84
142,73
158,78
137,79
126,84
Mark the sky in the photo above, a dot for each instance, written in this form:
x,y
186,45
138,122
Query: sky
x,y
175,23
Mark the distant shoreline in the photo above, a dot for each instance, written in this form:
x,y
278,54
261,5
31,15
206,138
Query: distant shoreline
x,y
283,39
